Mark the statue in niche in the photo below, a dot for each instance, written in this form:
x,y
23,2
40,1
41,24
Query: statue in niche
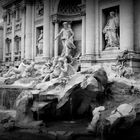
x,y
111,31
40,43
67,35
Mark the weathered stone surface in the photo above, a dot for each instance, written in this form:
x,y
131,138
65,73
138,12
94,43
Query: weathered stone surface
x,y
122,118
96,82
74,81
7,119
6,115
10,125
124,109
101,76
91,84
96,116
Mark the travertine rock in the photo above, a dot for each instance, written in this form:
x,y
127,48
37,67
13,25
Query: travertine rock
x,y
96,116
122,118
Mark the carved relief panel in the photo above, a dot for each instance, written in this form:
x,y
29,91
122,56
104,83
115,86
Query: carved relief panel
x,y
39,8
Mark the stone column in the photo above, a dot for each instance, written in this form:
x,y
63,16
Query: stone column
x,y
33,35
13,35
28,41
56,41
90,27
46,31
23,33
126,25
51,39
4,34
83,14
1,43
137,25
97,48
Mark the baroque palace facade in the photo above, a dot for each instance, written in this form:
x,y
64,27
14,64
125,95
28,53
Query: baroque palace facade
x,y
102,29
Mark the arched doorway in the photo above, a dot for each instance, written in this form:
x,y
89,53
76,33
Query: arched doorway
x,y
70,11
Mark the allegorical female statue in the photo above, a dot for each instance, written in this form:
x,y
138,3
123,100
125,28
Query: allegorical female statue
x,y
111,31
40,43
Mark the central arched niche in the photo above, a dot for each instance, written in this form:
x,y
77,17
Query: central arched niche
x,y
68,7
70,11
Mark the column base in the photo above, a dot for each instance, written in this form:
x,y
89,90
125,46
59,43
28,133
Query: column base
x,y
41,59
133,61
87,60
46,58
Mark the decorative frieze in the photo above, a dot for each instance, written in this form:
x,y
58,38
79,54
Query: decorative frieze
x,y
39,8
55,18
83,9
59,17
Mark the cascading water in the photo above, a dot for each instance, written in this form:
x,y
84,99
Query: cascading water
x,y
8,98
2,98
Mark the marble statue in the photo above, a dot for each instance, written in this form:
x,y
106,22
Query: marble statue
x,y
29,70
56,70
61,68
45,70
40,43
67,70
13,71
67,35
110,31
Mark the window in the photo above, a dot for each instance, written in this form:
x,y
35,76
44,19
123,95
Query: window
x,y
8,46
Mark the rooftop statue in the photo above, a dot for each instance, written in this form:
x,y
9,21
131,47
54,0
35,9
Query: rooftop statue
x,y
67,35
111,31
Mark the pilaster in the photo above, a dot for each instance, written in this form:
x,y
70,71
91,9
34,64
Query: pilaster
x,y
28,39
46,30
